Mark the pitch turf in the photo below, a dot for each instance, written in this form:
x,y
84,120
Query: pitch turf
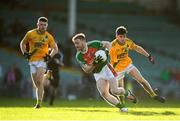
x,y
22,109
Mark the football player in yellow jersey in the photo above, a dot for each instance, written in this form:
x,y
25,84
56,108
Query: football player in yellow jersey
x,y
122,63
39,41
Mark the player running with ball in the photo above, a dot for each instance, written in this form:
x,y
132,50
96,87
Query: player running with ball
x,y
104,74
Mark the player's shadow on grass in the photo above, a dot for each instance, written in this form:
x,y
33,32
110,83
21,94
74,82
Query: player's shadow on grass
x,y
94,110
149,113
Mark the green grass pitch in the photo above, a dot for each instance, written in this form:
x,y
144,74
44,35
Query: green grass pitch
x,y
22,109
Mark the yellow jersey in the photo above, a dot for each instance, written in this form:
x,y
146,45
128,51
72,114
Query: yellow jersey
x,y
38,44
119,57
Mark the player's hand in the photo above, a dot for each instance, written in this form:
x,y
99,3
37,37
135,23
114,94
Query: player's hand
x,y
27,55
151,59
97,60
47,58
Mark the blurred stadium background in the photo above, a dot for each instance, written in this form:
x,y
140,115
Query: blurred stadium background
x,y
154,24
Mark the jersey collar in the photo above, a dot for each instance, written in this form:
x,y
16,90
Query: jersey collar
x,y
120,42
38,32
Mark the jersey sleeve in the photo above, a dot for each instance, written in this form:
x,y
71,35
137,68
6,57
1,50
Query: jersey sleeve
x,y
79,59
26,38
132,45
113,55
112,52
96,44
100,44
51,41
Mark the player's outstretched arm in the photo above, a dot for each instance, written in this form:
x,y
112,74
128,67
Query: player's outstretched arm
x,y
141,50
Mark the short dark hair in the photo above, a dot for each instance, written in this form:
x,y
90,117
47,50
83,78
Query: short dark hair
x,y
121,30
80,36
43,19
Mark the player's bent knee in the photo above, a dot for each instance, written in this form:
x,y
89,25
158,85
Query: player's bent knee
x,y
38,83
122,90
103,93
119,91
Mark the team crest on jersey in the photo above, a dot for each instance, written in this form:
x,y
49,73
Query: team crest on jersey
x,y
45,38
125,49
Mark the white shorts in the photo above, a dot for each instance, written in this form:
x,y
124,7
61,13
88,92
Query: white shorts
x,y
106,73
121,74
36,64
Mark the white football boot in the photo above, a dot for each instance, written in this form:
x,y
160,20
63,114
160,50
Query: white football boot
x,y
124,109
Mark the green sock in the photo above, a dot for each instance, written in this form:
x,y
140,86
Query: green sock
x,y
126,93
39,102
122,99
119,105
